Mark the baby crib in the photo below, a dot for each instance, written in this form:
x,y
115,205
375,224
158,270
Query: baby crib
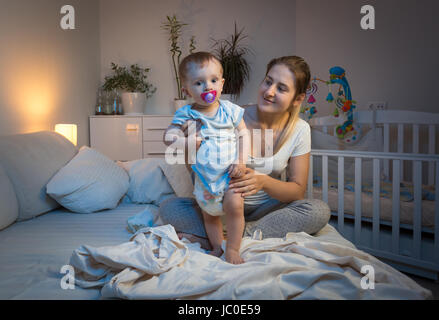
x,y
394,217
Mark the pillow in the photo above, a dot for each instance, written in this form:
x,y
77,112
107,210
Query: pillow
x,y
148,184
371,141
90,182
30,160
8,200
179,178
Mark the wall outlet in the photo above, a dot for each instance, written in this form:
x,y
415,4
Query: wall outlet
x,y
377,105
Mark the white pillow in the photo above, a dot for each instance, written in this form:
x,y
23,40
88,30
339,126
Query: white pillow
x,y
88,183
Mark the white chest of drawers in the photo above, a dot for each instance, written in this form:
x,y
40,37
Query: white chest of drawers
x,y
127,138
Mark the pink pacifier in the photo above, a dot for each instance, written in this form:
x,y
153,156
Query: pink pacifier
x,y
209,97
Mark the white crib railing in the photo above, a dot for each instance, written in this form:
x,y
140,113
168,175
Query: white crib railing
x,y
399,126
415,259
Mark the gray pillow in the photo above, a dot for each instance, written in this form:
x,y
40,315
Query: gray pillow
x,y
30,160
148,184
8,200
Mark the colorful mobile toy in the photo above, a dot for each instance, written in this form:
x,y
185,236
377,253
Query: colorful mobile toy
x,y
344,105
309,110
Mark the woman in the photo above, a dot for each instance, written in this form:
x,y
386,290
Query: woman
x,y
274,206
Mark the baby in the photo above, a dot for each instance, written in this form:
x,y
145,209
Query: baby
x,y
222,153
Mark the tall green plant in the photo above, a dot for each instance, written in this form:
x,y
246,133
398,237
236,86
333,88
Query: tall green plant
x,y
231,52
174,27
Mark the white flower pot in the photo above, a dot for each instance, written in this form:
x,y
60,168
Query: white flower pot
x,y
133,103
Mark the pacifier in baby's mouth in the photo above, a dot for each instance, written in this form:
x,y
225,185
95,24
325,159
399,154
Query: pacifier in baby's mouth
x,y
209,96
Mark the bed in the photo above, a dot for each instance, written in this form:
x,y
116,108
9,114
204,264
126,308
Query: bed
x,y
383,190
32,262
84,227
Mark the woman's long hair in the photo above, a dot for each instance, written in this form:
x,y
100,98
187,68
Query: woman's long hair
x,y
302,75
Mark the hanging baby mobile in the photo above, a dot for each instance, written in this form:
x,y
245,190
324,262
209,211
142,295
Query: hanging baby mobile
x,y
308,109
344,105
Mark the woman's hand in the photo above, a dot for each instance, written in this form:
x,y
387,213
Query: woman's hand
x,y
248,184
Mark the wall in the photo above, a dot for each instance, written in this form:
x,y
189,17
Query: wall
x,y
131,33
397,62
48,75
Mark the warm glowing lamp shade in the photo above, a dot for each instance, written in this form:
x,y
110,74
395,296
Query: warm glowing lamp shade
x,y
69,131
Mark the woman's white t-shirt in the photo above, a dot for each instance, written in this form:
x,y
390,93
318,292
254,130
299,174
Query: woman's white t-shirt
x,y
298,144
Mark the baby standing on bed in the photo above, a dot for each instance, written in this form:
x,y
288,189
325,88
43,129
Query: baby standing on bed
x,y
222,153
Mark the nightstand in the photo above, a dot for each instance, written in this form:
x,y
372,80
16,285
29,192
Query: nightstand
x,y
127,138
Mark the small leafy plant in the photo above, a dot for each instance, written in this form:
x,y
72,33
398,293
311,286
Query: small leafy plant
x,y
173,26
232,53
129,80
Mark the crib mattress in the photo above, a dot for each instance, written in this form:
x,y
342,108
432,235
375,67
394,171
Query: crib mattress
x,y
33,252
406,208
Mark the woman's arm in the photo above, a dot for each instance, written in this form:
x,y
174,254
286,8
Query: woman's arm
x,y
295,187
289,191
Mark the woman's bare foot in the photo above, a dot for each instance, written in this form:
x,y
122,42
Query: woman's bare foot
x,y
204,242
217,252
232,256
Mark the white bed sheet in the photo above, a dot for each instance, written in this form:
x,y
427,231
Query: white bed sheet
x,y
32,252
155,264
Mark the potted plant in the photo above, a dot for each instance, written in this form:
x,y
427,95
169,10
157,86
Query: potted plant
x,y
133,85
232,53
173,26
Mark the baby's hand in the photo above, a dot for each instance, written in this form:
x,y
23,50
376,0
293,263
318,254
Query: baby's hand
x,y
237,170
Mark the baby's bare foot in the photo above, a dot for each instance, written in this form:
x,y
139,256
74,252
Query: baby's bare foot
x,y
204,243
217,252
232,256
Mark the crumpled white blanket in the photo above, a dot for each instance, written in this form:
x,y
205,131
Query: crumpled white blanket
x,y
155,264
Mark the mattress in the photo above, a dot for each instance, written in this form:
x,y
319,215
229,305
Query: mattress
x,y
33,252
406,208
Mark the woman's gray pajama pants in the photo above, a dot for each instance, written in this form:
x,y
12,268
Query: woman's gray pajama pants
x,y
274,218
